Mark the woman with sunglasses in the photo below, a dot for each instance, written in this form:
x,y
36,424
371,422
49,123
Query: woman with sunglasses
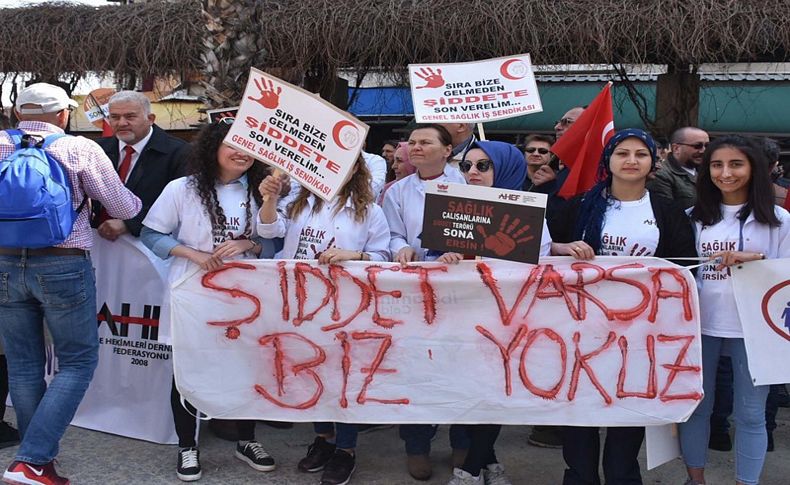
x,y
401,166
350,228
618,217
735,209
429,147
204,220
500,165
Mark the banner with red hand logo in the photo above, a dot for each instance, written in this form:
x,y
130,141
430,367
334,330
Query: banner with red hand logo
x,y
762,294
483,221
474,92
609,342
297,132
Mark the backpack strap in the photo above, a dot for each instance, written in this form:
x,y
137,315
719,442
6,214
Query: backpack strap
x,y
51,138
16,137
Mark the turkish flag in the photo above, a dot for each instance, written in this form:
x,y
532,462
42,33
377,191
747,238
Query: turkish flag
x,y
580,147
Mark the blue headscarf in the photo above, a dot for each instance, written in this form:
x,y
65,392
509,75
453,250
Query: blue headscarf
x,y
589,222
510,168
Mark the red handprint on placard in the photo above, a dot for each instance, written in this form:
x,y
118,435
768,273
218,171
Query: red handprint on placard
x,y
269,98
431,78
505,239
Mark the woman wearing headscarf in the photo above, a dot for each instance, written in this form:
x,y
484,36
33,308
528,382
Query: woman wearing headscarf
x,y
500,165
618,217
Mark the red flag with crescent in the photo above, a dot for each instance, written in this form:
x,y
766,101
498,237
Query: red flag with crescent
x,y
580,147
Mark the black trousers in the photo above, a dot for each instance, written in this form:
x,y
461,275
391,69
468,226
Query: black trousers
x,y
481,447
3,385
186,422
582,448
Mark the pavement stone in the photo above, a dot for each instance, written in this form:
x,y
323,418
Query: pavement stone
x,y
90,457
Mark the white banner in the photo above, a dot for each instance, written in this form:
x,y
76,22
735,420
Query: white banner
x,y
762,293
130,391
612,342
297,132
474,92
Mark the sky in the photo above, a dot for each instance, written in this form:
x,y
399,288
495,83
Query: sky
x,y
22,3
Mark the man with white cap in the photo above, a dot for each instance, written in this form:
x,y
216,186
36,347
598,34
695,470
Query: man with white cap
x,y
53,284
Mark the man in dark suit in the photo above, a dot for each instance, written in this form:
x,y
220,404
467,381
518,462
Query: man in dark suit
x,y
145,157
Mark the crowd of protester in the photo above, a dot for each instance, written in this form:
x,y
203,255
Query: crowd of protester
x,y
665,200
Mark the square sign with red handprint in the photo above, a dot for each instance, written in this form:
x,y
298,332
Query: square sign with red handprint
x,y
297,132
483,221
474,92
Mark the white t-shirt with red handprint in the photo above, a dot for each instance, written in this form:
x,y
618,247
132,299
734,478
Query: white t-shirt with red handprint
x,y
317,235
629,229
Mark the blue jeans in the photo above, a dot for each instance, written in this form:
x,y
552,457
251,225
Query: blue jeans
x,y
62,291
345,434
751,438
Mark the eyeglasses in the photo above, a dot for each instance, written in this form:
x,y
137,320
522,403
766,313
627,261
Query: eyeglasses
x,y
697,146
481,165
542,151
566,121
228,120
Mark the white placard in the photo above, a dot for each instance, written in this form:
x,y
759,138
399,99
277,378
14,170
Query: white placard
x,y
474,92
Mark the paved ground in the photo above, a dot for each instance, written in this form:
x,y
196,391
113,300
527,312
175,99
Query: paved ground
x,y
89,457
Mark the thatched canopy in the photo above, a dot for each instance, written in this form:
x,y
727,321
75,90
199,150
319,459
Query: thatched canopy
x,y
157,37
57,38
354,33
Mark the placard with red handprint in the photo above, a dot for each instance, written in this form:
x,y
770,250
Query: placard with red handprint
x,y
479,91
483,221
298,133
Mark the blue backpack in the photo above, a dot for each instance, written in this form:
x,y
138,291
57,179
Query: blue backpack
x,y
35,195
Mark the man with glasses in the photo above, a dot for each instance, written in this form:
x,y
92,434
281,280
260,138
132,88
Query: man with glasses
x,y
541,165
676,179
145,157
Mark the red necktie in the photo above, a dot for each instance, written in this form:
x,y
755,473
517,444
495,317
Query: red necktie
x,y
123,171
126,163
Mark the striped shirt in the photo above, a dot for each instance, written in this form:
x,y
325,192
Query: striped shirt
x,y
91,175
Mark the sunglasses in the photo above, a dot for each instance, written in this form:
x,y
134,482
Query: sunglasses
x,y
697,146
481,165
566,121
542,151
227,120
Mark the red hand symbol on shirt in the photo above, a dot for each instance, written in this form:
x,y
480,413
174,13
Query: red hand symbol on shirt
x,y
638,250
432,79
317,253
505,239
269,98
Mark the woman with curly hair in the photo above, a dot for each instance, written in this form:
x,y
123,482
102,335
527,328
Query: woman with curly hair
x,y
349,228
203,220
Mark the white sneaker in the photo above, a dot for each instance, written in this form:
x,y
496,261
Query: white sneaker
x,y
461,477
494,474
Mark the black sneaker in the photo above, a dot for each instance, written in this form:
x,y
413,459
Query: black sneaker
x,y
318,454
188,465
8,435
255,456
339,468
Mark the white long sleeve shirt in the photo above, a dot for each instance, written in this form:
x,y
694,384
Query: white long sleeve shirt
x,y
378,172
404,204
311,233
